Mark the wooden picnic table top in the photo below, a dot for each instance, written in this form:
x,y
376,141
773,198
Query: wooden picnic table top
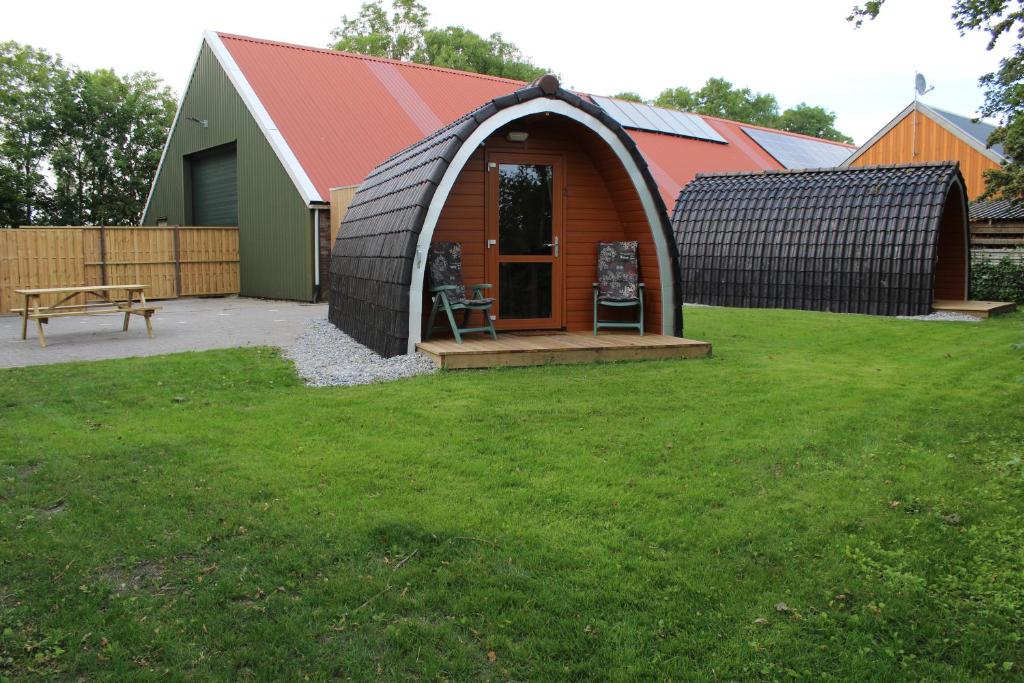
x,y
86,288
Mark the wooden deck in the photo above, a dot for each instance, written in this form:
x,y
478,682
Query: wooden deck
x,y
532,348
979,309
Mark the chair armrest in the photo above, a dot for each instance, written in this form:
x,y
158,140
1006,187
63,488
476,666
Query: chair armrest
x,y
641,285
442,288
482,286
595,285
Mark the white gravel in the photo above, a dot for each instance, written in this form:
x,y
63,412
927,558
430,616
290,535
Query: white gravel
x,y
943,316
325,356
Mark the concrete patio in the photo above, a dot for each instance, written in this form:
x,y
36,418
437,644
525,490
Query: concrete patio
x,y
181,325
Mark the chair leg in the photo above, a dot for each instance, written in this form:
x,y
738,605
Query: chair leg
x,y
641,315
595,314
490,323
451,319
432,318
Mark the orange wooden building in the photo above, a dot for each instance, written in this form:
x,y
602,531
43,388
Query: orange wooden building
x,y
921,133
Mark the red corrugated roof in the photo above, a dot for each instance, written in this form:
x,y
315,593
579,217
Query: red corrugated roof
x,y
342,114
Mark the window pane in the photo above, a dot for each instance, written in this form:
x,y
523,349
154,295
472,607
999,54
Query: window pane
x,y
524,208
525,290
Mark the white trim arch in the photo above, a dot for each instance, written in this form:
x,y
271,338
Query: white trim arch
x,y
540,105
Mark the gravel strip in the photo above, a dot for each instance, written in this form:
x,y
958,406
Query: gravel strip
x,y
943,316
325,356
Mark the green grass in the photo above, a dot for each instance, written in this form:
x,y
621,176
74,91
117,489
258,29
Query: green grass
x,y
207,516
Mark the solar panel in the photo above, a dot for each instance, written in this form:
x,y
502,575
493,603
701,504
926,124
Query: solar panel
x,y
657,119
795,152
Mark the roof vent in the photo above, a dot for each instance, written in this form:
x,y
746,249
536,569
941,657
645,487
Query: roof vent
x,y
548,83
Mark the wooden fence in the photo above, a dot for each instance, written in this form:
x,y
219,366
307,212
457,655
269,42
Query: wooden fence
x,y
173,261
1004,235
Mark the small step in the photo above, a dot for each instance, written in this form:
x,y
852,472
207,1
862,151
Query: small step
x,y
979,309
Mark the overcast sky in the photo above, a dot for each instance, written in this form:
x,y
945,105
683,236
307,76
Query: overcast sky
x,y
800,50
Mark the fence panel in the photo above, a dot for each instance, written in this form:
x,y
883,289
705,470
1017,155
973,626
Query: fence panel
x,y
186,261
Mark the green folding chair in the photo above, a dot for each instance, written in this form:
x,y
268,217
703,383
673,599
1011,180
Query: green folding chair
x,y
449,293
618,284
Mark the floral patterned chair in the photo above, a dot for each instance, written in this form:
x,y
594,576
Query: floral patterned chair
x,y
449,293
618,284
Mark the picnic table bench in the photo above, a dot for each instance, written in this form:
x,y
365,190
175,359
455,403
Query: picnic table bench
x,y
133,304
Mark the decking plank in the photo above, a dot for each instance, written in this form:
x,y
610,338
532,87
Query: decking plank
x,y
521,349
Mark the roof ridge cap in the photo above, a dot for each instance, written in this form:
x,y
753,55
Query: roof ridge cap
x,y
830,169
366,58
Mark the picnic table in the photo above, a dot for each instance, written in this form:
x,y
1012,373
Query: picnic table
x,y
105,303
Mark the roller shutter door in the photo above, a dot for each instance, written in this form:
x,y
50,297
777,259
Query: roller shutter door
x,y
215,187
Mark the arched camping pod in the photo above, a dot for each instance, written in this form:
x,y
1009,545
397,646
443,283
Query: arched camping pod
x,y
882,240
445,188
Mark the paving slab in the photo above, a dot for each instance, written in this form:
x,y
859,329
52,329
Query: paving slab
x,y
181,325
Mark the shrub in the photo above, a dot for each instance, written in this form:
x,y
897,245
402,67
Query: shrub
x,y
1001,280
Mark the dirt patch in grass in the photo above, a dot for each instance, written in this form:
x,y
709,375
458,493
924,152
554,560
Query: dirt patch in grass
x,y
55,508
147,576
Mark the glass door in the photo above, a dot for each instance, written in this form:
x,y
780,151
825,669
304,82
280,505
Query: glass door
x,y
524,235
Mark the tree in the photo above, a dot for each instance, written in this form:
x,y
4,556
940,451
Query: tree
x,y
815,121
629,95
28,129
112,131
76,147
1003,88
405,36
371,32
718,97
455,47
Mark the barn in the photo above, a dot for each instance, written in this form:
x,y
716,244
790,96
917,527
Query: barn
x,y
266,130
882,240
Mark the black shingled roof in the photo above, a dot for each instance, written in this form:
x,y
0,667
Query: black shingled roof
x,y
997,210
858,240
372,259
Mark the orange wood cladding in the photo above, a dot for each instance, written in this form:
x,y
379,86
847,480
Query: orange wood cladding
x,y
951,267
934,143
601,204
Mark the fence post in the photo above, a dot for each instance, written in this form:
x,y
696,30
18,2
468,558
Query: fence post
x,y
177,262
103,256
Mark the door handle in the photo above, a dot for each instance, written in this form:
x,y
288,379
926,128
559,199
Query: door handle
x,y
491,243
553,244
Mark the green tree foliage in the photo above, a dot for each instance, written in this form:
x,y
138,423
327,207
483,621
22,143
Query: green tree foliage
x,y
455,47
816,121
1004,88
76,147
629,95
113,131
373,32
28,129
718,97
405,35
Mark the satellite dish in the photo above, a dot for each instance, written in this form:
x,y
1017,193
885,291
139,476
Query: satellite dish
x,y
921,85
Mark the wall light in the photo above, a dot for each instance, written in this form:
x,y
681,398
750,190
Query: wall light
x,y
517,136
202,122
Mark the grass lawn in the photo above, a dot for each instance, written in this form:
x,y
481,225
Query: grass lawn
x,y
828,497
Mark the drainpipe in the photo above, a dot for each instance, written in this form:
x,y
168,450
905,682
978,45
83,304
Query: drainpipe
x,y
316,254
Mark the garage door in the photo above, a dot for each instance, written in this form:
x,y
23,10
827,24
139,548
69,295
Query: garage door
x,y
215,187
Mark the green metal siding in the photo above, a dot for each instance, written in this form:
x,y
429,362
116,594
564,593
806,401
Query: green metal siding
x,y
275,225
